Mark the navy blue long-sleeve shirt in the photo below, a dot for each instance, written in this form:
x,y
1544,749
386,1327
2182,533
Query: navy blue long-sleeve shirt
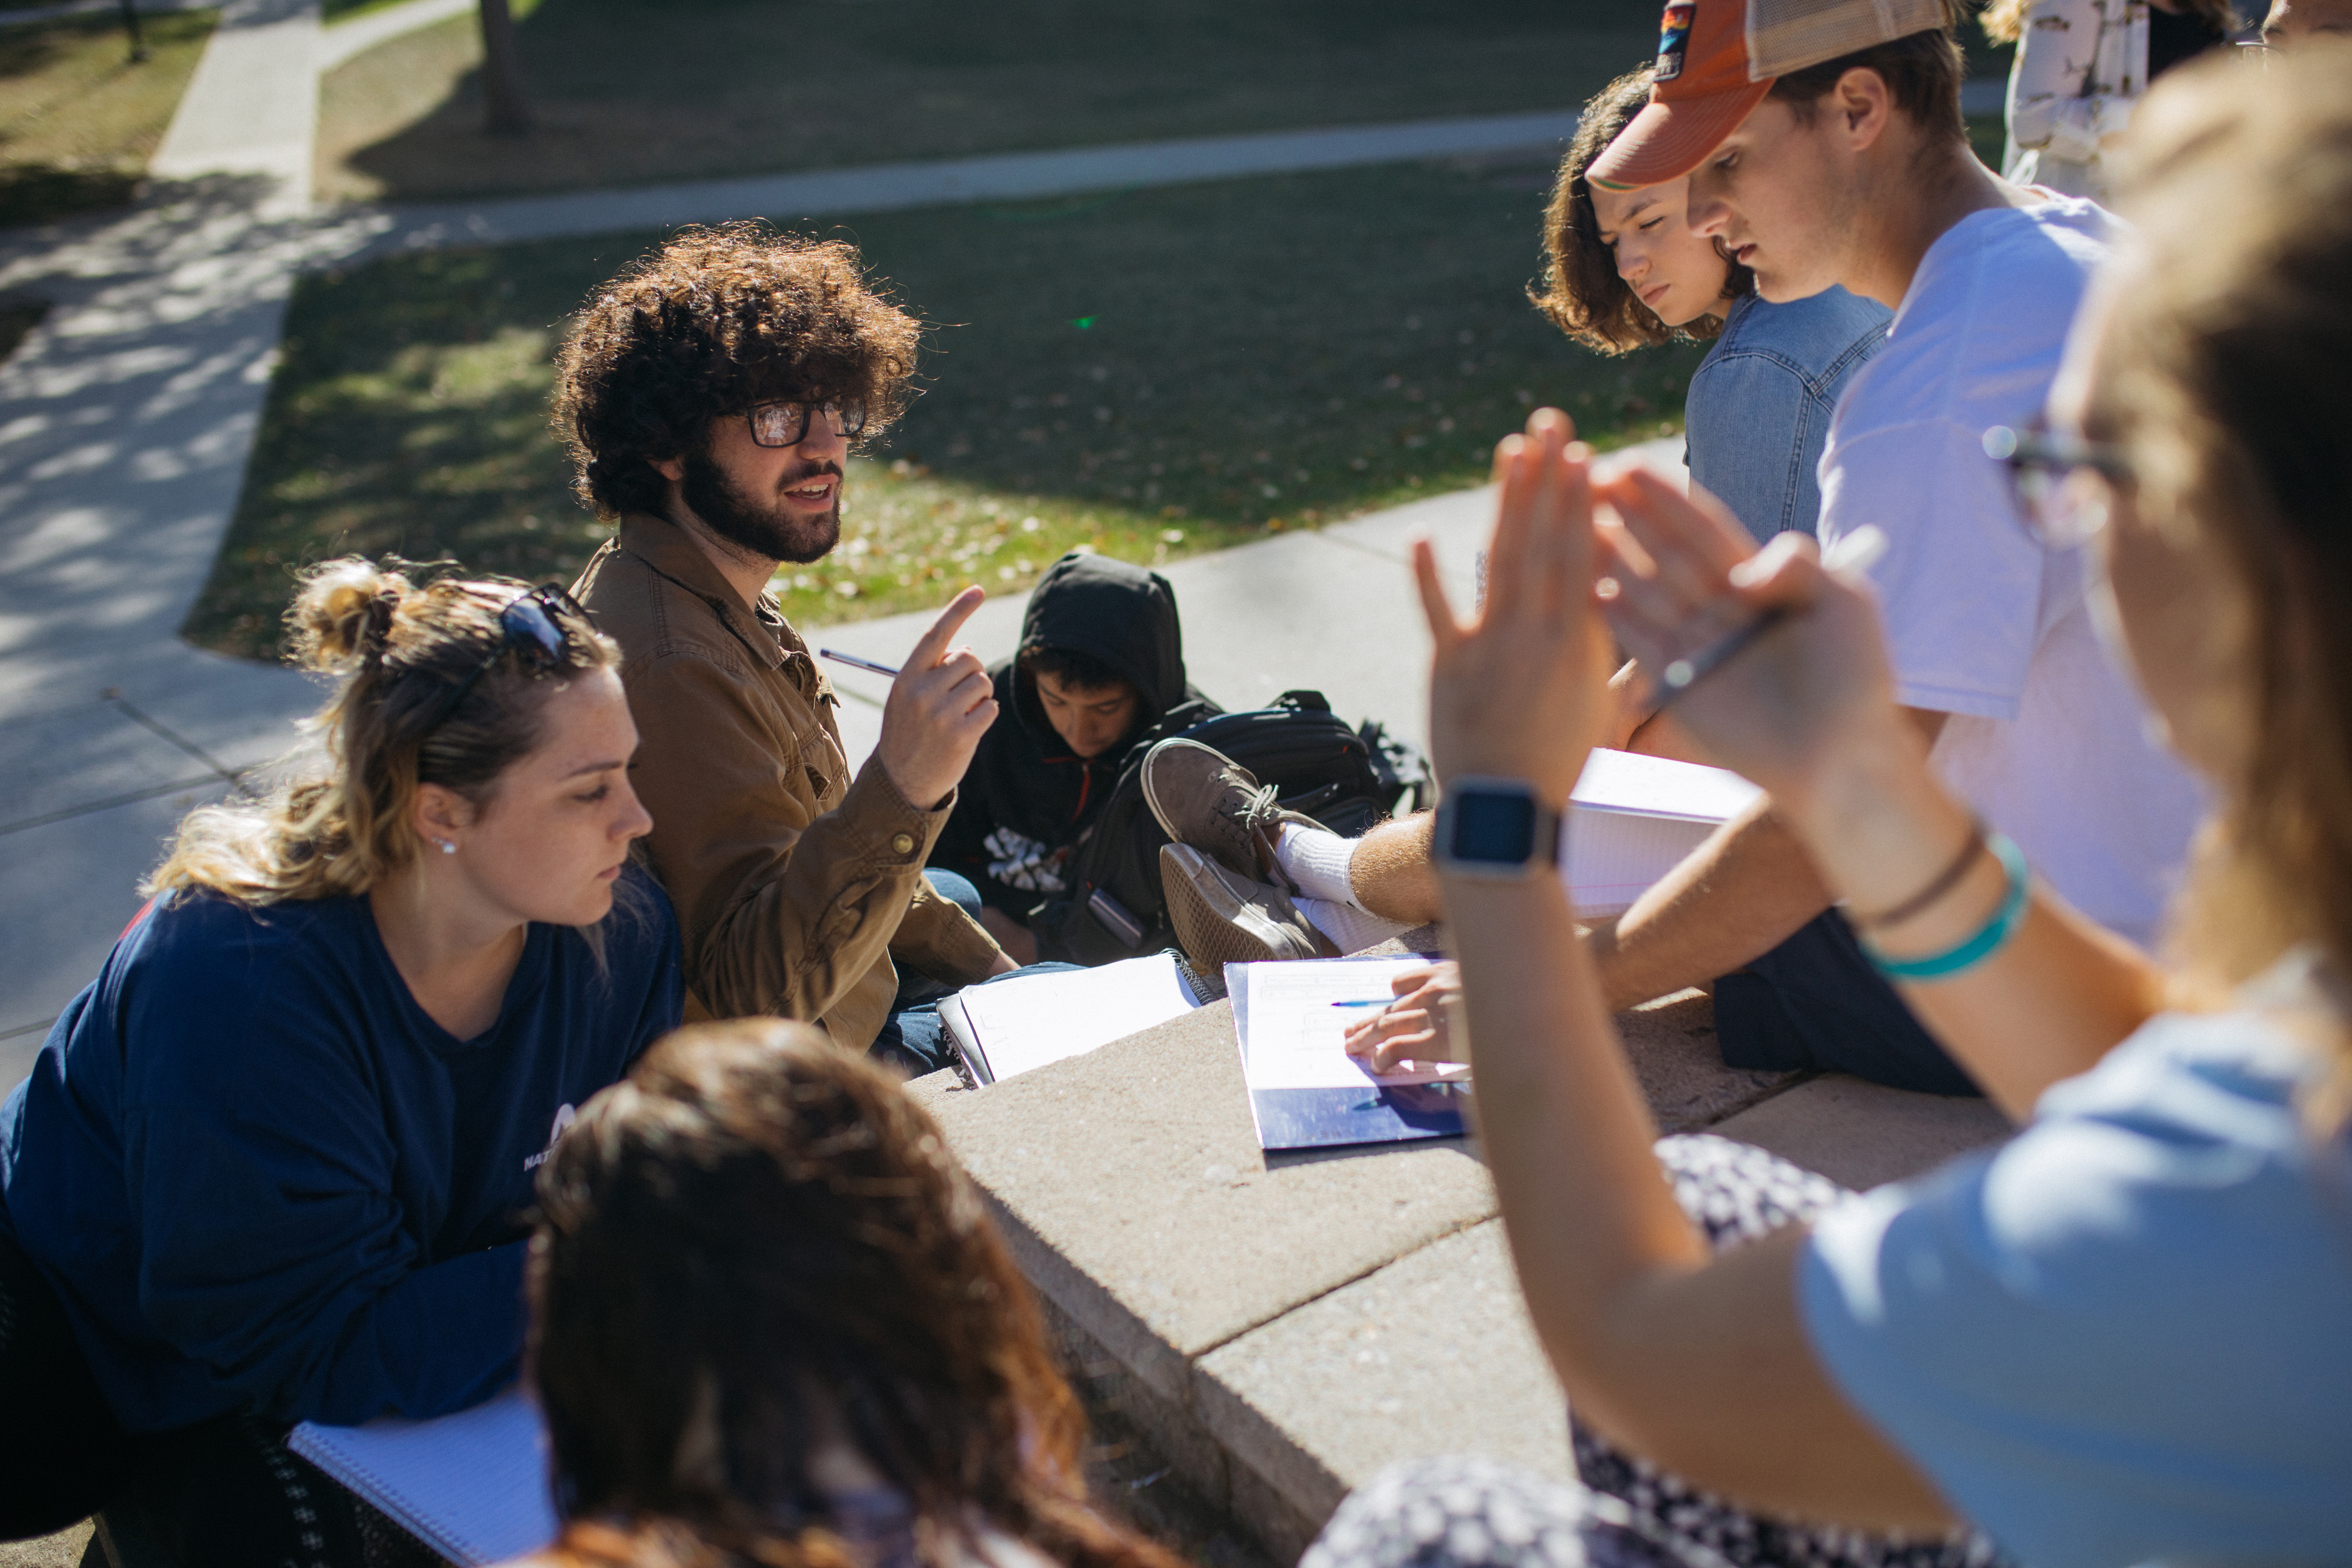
x,y
262,1178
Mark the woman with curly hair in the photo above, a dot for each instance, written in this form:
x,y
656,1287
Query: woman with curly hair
x,y
771,1324
1624,271
270,1164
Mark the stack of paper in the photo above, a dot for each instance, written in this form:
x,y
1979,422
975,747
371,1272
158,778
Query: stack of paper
x,y
1305,1090
1632,819
1014,1025
472,1486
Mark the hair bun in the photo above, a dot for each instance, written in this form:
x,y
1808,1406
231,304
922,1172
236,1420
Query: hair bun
x,y
344,612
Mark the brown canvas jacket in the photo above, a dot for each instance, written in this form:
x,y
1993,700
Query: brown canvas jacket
x,y
795,885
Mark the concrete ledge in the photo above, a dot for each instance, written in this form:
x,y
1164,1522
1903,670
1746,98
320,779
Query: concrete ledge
x,y
1433,1355
1861,1135
1131,1189
1278,1328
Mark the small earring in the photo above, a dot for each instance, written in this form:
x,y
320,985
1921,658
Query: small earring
x,y
448,845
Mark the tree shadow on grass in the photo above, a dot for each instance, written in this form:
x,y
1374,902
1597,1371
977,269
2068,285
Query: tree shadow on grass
x,y
1147,373
629,93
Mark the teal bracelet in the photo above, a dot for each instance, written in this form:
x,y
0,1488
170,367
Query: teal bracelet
x,y
1989,939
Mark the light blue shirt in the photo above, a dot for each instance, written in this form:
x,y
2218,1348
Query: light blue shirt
x,y
1759,404
2125,1337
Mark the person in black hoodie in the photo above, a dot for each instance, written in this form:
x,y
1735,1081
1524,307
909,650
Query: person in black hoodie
x,y
1100,673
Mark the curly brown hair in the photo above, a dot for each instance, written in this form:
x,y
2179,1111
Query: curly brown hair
x,y
717,320
757,1250
1581,292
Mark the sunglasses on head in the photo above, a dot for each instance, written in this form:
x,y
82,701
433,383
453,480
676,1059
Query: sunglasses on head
x,y
528,626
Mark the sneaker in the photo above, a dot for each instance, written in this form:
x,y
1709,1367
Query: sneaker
x,y
1221,917
1204,799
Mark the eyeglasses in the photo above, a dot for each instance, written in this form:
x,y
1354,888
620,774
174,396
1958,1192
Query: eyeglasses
x,y
787,424
527,625
2064,486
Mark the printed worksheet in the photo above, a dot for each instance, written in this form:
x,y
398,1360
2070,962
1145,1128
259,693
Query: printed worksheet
x,y
1291,1019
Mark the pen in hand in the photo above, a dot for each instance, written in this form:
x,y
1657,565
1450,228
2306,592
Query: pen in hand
x,y
855,662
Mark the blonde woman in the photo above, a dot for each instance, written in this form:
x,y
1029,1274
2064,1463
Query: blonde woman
x,y
271,1165
2125,1336
2081,67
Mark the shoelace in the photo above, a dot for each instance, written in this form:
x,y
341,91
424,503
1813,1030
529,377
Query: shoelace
x,y
1259,818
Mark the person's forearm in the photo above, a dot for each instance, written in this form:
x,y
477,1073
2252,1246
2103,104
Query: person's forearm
x,y
2048,1005
1696,1361
1742,893
1562,1123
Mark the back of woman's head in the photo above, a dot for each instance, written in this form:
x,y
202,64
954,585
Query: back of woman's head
x,y
2224,372
1582,293
755,1252
429,689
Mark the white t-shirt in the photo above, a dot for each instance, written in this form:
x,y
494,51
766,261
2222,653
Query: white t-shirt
x,y
2047,739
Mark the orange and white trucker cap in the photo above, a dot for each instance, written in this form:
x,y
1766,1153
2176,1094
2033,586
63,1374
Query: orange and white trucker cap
x,y
1716,59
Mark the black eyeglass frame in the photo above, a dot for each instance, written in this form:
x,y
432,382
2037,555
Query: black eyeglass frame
x,y
2040,462
847,414
527,622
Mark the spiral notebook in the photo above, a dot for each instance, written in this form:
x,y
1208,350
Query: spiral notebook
x,y
471,1485
1632,818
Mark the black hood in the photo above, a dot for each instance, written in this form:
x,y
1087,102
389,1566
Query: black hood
x,y
1123,615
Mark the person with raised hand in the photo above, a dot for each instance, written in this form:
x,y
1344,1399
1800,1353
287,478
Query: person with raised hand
x,y
271,1165
710,394
2126,1335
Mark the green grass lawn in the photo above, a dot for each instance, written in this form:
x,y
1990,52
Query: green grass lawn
x,y
77,119
630,93
1152,373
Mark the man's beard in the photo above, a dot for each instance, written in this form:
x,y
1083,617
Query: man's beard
x,y
768,532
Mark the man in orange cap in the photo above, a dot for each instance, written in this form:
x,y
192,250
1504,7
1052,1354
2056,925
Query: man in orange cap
x,y
1824,145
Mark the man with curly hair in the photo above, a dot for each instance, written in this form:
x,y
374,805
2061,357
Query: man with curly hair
x,y
708,396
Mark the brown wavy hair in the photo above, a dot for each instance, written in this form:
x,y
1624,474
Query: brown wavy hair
x,y
755,1249
716,321
1581,292
2224,372
401,652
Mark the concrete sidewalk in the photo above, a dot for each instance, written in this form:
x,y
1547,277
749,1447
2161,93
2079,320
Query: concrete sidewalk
x,y
1005,176
1334,609
125,420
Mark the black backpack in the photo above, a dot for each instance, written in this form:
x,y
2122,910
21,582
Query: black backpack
x,y
1348,780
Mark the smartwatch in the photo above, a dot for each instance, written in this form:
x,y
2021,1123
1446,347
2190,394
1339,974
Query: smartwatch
x,y
1495,828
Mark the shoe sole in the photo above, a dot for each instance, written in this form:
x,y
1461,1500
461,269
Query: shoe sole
x,y
1215,925
1160,812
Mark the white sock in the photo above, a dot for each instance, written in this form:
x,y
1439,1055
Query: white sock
x,y
1352,930
1317,860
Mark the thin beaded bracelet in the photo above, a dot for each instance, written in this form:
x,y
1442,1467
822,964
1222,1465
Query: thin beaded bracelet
x,y
1986,940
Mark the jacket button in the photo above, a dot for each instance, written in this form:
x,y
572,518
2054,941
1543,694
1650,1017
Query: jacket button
x,y
903,843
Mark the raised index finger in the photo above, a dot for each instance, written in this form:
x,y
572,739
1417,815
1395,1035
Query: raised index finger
x,y
933,646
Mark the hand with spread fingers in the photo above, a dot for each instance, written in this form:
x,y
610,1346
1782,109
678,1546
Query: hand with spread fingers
x,y
1810,674
938,708
1521,691
1417,1026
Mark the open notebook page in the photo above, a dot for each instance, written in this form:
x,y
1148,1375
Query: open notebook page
x,y
1029,1020
1291,1019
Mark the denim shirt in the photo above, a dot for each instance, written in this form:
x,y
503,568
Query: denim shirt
x,y
1759,410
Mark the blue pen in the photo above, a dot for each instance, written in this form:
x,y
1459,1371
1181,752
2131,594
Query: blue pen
x,y
1366,1002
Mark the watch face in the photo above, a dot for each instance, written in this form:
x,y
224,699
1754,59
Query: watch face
x,y
1494,826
